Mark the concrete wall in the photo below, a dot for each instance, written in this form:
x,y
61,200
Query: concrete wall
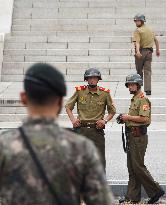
x,y
1,50
6,9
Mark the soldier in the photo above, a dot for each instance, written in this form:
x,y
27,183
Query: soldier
x,y
144,40
92,101
41,163
136,123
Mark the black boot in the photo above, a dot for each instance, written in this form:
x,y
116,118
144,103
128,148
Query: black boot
x,y
156,197
125,199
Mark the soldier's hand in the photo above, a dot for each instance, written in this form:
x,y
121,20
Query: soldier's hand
x,y
76,123
138,55
157,53
125,117
100,124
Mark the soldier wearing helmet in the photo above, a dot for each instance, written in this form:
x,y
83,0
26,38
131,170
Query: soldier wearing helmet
x,y
92,102
136,123
144,39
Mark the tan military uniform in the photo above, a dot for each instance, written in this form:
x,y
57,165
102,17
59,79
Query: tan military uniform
x,y
145,37
91,106
137,144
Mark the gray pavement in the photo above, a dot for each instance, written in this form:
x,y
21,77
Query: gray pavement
x,y
116,158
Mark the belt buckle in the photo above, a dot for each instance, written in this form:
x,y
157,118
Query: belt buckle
x,y
89,125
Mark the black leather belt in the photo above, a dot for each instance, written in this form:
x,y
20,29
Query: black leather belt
x,y
88,124
148,49
137,130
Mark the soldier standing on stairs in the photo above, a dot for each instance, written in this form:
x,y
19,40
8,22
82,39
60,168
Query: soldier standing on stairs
x,y
136,123
92,101
144,40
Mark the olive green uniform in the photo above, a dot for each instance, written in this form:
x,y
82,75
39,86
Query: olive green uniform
x,y
137,144
145,37
91,107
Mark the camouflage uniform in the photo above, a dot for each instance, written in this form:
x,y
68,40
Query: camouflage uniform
x,y
91,107
71,162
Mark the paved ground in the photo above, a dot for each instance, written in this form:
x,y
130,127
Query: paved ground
x,y
116,158
144,201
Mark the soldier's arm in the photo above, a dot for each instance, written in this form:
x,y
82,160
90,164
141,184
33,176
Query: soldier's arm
x,y
69,107
110,107
95,190
136,41
140,119
144,113
157,46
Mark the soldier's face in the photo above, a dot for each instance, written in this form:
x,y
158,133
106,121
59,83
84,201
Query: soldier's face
x,y
132,88
138,23
93,80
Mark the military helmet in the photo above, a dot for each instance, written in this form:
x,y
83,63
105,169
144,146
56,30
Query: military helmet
x,y
92,72
134,78
140,17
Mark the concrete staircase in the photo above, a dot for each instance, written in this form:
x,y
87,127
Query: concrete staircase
x,y
75,35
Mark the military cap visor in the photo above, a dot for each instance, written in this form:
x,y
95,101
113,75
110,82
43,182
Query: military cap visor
x,y
47,76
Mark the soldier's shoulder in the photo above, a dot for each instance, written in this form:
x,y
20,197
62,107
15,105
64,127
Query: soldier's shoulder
x,y
8,136
76,140
104,89
143,97
80,87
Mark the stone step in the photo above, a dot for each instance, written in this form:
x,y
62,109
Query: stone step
x,y
82,65
70,69
72,58
53,13
77,78
120,109
46,39
64,117
93,4
106,45
121,102
71,21
113,30
74,52
71,38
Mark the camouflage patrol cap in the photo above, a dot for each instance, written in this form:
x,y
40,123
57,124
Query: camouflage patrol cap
x,y
140,17
46,76
92,72
134,78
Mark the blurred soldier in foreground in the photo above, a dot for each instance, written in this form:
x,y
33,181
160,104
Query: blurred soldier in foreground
x,y
144,39
136,123
41,163
92,102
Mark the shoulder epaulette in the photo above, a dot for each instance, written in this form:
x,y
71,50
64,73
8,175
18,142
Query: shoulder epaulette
x,y
104,89
142,95
82,87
